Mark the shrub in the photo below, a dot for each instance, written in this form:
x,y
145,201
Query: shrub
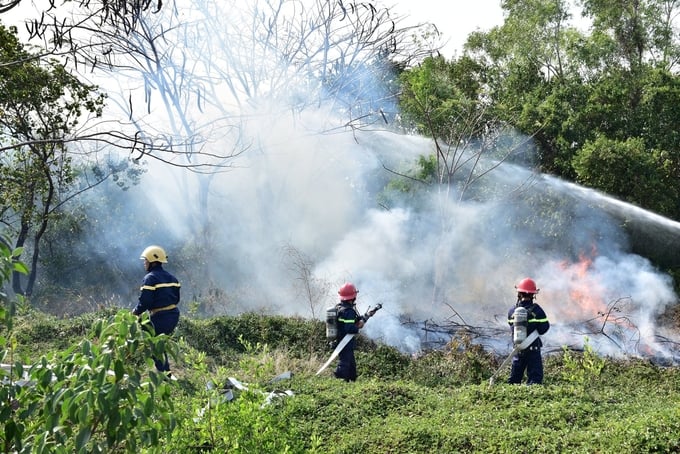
x,y
92,397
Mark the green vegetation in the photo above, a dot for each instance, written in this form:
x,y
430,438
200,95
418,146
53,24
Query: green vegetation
x,y
602,109
599,105
43,108
598,102
86,384
102,395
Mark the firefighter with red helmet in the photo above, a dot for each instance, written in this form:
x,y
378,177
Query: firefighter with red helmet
x,y
349,322
525,317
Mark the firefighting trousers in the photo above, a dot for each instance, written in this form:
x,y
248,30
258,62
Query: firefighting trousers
x,y
164,322
529,361
347,366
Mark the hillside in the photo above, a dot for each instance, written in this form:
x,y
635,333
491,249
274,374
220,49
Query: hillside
x,y
439,401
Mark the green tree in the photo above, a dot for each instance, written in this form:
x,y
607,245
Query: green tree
x,y
636,33
448,101
629,170
534,73
568,88
41,107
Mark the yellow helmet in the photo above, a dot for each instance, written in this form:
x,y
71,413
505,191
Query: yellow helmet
x,y
154,254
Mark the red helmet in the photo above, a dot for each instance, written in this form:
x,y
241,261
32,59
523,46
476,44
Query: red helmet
x,y
526,286
347,292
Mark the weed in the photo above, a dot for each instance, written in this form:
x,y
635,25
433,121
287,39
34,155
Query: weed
x,y
582,370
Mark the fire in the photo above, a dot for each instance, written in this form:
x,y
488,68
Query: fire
x,y
586,294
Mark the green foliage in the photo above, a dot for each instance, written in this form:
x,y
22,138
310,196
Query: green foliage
x,y
223,337
400,416
9,264
437,402
257,360
97,396
629,170
217,419
583,370
243,425
601,106
382,362
41,105
461,363
440,98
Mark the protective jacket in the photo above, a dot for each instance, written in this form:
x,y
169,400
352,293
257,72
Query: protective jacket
x,y
347,324
159,290
530,359
536,320
160,296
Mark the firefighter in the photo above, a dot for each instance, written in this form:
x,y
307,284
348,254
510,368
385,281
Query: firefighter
x,y
159,295
528,360
349,322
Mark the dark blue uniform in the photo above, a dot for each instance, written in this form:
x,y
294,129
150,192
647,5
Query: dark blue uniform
x,y
160,296
347,324
529,359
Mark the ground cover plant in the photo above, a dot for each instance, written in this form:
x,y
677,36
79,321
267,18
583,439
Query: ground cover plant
x,y
101,394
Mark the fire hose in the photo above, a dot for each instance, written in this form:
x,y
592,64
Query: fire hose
x,y
528,341
345,340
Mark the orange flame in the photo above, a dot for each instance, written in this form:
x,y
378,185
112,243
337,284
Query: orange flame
x,y
586,295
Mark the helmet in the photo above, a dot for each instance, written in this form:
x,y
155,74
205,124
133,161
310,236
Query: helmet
x,y
154,254
526,285
347,292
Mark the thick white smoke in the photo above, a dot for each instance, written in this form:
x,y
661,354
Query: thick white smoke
x,y
440,259
303,210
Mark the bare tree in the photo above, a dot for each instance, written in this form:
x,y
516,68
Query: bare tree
x,y
208,66
311,289
71,33
211,65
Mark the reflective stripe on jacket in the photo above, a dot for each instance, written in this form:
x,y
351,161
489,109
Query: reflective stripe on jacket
x,y
537,320
160,289
347,320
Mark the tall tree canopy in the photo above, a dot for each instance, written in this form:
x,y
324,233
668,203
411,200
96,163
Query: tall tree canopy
x,y
589,95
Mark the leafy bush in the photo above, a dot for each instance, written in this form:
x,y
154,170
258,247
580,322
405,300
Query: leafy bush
x,y
462,362
583,370
224,336
217,417
93,397
381,361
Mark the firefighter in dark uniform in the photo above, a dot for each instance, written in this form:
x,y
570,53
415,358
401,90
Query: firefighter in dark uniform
x,y
349,322
528,360
160,296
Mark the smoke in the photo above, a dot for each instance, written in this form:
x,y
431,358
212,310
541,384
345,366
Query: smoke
x,y
437,260
308,204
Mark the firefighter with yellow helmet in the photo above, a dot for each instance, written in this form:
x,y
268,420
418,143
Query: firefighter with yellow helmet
x,y
524,318
160,296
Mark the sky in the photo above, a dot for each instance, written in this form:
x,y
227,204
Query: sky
x,y
456,19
